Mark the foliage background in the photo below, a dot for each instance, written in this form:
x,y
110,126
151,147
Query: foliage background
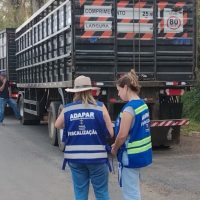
x,y
191,102
191,99
14,12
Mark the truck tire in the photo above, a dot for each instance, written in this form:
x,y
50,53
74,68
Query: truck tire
x,y
61,145
52,116
26,118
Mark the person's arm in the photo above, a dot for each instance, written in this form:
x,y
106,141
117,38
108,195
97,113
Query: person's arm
x,y
60,121
3,85
125,125
108,121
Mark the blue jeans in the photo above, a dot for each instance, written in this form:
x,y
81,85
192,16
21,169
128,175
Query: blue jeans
x,y
130,180
11,102
82,174
131,184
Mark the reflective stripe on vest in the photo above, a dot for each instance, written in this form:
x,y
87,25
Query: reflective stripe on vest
x,y
88,152
141,109
85,148
139,142
85,155
139,146
139,149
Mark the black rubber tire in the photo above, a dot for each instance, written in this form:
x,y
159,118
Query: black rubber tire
x,y
52,116
26,118
61,145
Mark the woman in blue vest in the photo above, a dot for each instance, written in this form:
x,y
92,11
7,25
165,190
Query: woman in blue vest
x,y
87,125
133,141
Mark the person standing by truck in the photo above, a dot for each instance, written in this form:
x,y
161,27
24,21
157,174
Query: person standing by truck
x,y
6,99
87,125
133,141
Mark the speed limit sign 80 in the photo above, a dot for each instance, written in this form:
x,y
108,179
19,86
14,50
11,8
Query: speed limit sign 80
x,y
173,21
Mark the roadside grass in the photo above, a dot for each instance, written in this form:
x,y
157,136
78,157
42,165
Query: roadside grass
x,y
194,126
191,110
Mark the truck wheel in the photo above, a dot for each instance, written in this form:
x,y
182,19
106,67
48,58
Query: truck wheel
x,y
26,118
21,107
61,145
21,110
52,116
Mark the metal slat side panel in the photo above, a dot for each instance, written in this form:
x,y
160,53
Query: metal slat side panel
x,y
11,55
44,47
101,35
176,40
7,53
157,38
3,50
136,46
154,37
94,39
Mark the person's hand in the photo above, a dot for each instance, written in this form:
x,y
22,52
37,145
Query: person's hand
x,y
4,80
113,150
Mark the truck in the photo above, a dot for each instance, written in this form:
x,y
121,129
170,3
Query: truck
x,y
105,39
8,58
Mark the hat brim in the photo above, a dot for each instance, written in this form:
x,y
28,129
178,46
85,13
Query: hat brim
x,y
81,89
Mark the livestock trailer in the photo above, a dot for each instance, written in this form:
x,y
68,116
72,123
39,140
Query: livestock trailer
x,y
8,58
7,53
104,39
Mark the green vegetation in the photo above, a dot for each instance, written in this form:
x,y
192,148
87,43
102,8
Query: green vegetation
x,y
14,12
194,126
191,102
191,107
191,99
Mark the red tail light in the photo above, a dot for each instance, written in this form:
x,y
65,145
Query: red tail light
x,y
14,95
174,92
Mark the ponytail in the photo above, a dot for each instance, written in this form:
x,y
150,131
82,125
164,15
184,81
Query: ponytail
x,y
131,80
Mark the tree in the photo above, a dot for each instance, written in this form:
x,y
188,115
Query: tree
x,y
14,12
37,4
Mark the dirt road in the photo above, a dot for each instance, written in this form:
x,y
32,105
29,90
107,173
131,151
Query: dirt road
x,y
30,168
175,173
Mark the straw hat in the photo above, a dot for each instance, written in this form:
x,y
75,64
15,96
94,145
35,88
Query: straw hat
x,y
82,83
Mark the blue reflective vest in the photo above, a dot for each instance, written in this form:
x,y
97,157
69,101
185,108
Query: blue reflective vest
x,y
84,133
138,145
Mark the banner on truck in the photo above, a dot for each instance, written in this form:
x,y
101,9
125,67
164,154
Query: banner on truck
x,y
97,11
139,13
98,26
135,28
132,21
122,13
